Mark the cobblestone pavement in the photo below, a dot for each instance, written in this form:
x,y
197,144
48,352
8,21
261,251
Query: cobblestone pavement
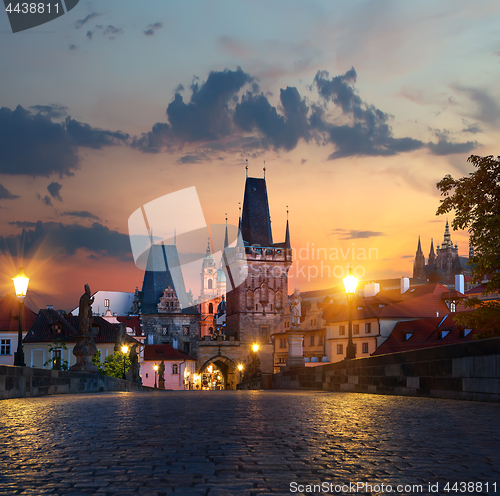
x,y
221,443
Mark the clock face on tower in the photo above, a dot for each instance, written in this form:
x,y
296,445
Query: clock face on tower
x,y
210,271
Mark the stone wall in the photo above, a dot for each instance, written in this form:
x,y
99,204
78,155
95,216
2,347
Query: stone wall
x,y
25,382
467,371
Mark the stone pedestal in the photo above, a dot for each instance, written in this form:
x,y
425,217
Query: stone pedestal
x,y
84,350
295,348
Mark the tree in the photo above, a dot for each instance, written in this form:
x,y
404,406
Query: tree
x,y
476,201
112,365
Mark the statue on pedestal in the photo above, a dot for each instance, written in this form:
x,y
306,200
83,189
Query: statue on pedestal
x,y
295,308
85,347
133,372
161,375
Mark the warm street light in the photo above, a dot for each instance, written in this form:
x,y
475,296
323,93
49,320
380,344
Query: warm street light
x,y
155,366
350,283
255,348
240,367
124,351
21,287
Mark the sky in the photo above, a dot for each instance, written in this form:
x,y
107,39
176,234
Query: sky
x,y
356,110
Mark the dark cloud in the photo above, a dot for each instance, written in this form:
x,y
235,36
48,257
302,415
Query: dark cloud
x,y
55,191
445,147
80,22
73,47
354,234
194,158
367,133
50,239
179,88
89,34
281,131
85,135
472,128
151,28
83,214
24,224
5,194
207,116
46,200
34,145
53,111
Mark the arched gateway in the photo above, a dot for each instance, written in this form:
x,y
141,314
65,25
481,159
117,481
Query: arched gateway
x,y
229,370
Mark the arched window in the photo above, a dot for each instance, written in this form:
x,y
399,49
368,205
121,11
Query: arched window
x,y
210,285
211,330
210,307
174,369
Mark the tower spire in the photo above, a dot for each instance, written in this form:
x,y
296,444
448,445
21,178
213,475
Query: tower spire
x,y
287,232
226,239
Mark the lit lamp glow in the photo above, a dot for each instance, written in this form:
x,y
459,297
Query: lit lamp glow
x,y
21,288
350,283
124,351
155,367
255,348
240,367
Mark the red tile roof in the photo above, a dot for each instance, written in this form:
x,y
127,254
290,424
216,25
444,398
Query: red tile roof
x,y
131,321
159,352
9,314
43,331
424,334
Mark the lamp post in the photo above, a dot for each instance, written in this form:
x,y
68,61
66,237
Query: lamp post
x,y
155,366
255,349
350,283
21,287
124,351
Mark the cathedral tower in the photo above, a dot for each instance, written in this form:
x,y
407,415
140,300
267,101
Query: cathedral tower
x,y
419,264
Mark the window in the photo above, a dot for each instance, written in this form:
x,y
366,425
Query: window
x,y
271,307
453,306
313,323
320,340
408,335
355,347
4,346
211,330
187,346
342,330
311,341
174,369
256,307
355,329
164,330
466,332
443,334
106,302
365,347
340,349
185,330
368,328
210,284
282,342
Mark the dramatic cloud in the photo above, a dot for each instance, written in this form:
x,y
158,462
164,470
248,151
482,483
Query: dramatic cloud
x,y
34,145
216,110
354,234
53,111
151,28
55,191
83,214
80,22
207,116
5,194
282,131
85,135
50,239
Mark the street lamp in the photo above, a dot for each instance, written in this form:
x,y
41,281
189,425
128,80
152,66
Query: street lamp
x,y
21,287
350,283
124,351
155,366
255,348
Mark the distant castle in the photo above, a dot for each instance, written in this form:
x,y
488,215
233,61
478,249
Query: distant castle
x,y
443,265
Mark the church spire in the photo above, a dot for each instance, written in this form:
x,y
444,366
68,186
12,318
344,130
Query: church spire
x,y
419,263
447,243
432,256
226,239
287,232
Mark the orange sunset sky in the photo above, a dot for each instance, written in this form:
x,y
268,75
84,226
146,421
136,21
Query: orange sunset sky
x,y
357,108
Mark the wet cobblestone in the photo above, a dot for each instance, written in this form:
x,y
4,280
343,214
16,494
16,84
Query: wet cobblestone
x,y
248,443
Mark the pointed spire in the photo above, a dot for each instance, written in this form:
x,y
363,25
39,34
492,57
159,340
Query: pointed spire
x,y
447,243
419,247
287,233
226,238
208,252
